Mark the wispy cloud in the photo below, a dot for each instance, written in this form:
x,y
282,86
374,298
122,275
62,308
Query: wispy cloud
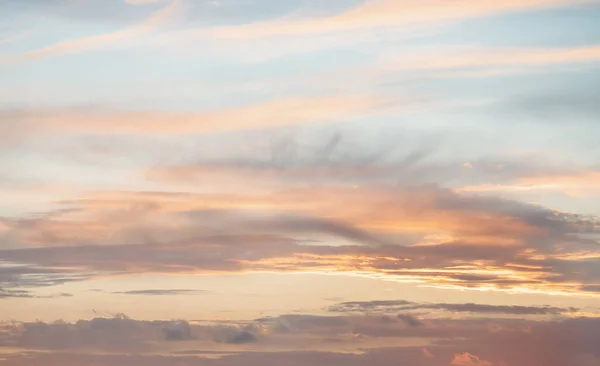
x,y
160,292
13,37
576,184
143,2
457,58
385,14
153,22
270,114
438,238
390,306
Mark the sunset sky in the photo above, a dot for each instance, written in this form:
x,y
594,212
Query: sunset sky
x,y
300,182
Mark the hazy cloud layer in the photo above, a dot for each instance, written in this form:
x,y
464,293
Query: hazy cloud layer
x,y
283,155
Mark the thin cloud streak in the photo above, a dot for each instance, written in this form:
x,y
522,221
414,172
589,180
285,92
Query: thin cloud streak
x,y
152,23
385,14
270,114
582,184
160,292
455,58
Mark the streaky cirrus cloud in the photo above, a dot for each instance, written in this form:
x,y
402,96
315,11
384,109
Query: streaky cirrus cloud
x,y
456,58
576,184
153,22
143,2
387,306
384,14
20,123
160,292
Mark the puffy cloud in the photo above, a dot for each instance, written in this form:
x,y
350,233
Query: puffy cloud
x,y
410,320
235,336
178,331
354,340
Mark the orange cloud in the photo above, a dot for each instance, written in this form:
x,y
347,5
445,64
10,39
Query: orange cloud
x,y
467,359
368,209
274,113
582,184
412,234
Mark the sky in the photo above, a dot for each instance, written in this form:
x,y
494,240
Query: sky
x,y
292,182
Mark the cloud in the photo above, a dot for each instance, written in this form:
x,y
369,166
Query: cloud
x,y
382,15
164,292
156,20
554,105
235,336
14,293
467,359
315,340
583,183
270,114
17,276
178,331
410,320
388,306
438,238
143,2
478,58
384,21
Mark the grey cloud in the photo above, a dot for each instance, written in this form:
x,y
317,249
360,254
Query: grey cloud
x,y
498,309
23,276
14,293
178,331
410,320
110,334
242,337
591,288
577,105
402,305
116,12
236,335
369,305
501,341
19,294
